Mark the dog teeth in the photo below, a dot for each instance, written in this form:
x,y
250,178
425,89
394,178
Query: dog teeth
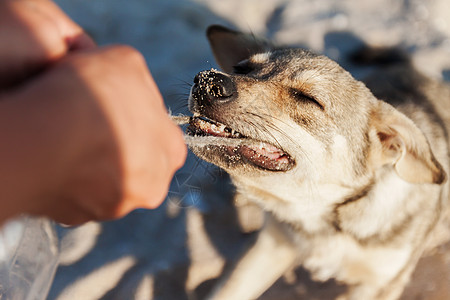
x,y
229,130
212,126
223,128
235,133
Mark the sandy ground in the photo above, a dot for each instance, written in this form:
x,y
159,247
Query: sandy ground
x,y
176,251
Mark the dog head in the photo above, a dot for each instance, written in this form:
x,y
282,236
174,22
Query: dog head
x,y
299,115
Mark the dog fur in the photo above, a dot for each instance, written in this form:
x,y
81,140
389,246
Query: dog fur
x,y
353,179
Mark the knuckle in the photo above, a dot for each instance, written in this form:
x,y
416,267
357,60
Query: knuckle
x,y
179,148
109,213
128,54
42,27
180,155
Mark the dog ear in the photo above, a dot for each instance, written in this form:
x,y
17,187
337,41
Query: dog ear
x,y
401,143
230,47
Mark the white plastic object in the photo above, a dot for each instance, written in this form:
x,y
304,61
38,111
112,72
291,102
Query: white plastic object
x,y
29,251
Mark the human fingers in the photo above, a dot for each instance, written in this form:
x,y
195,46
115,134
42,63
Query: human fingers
x,y
34,34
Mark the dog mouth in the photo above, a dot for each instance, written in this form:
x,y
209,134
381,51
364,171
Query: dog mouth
x,y
259,153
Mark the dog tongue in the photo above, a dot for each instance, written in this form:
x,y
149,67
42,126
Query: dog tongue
x,y
266,156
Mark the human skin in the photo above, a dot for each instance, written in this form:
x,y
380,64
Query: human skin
x,y
84,130
34,33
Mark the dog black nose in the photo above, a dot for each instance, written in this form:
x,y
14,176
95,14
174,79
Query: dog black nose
x,y
211,86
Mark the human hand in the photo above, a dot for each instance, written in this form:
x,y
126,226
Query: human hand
x,y
88,135
34,34
103,143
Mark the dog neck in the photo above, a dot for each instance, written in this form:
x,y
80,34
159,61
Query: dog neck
x,y
376,205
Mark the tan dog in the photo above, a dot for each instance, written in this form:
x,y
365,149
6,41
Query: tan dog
x,y
355,186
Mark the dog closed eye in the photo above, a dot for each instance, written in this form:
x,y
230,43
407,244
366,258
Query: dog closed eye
x,y
300,96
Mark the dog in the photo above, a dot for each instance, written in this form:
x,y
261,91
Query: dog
x,y
352,175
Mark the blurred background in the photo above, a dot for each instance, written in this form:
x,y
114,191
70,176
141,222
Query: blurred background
x,y
177,250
